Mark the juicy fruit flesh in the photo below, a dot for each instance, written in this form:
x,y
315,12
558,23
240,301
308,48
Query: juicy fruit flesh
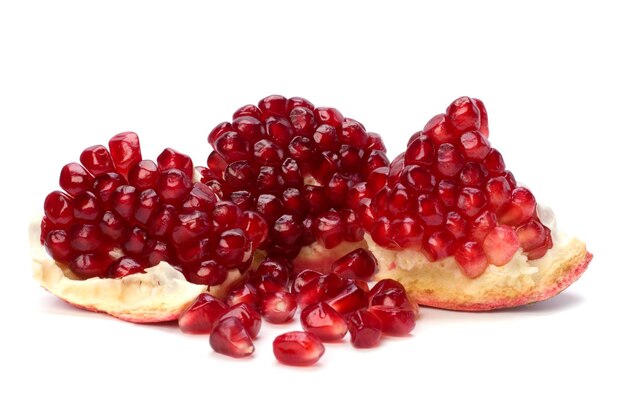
x,y
295,164
120,214
450,194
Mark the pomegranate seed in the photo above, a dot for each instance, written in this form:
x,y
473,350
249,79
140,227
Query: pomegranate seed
x,y
232,247
207,272
245,293
268,153
498,192
395,321
144,175
173,186
279,307
190,226
376,159
229,337
350,299
248,128
125,151
303,278
390,293
456,225
447,191
365,328
85,237
57,244
201,197
146,205
163,222
299,102
75,179
439,129
438,245
354,230
329,228
519,209
407,232
430,210
320,289
112,226
482,224
471,259
500,245
358,264
328,116
124,266
87,265
248,110
475,146
58,208
531,234
324,322
471,201
231,147
494,162
136,241
417,179
97,160
473,175
218,131
274,105
464,114
298,348
541,250
287,230
484,123
158,252
278,270
105,185
375,142
265,284
302,120
449,160
250,319
217,164
254,225
279,130
420,152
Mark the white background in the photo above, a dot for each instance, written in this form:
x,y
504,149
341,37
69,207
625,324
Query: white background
x,y
552,78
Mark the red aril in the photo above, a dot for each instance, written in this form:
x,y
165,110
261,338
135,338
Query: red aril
x,y
201,316
230,338
358,264
366,329
298,348
395,321
323,321
278,307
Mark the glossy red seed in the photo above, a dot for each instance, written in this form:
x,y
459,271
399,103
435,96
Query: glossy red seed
x,y
279,307
326,139
430,210
541,250
268,153
447,192
57,244
475,146
240,174
248,128
456,225
498,192
420,152
157,252
274,105
173,186
245,293
395,321
201,197
328,116
229,337
207,272
136,241
324,322
124,266
58,208
358,264
473,175
407,232
482,224
500,245
232,248
190,226
417,179
351,298
390,293
471,259
286,230
255,227
85,237
298,348
299,102
494,163
147,204
449,160
382,234
277,269
303,278
365,328
144,175
519,209
86,207
226,215
376,159
329,228
377,180
438,245
201,316
75,179
97,160
105,185
484,122
464,114
439,129
87,265
531,234
353,133
375,142
218,131
250,319
471,201
248,110
162,223
125,151
231,147
269,206
279,130
302,120
320,289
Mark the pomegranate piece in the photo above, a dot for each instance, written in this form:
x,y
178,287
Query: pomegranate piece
x,y
395,321
358,264
323,321
201,316
229,337
279,307
266,159
250,319
366,329
298,348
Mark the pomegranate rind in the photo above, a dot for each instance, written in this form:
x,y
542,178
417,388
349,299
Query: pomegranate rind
x,y
159,294
442,285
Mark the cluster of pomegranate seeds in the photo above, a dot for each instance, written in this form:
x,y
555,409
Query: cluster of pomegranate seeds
x,y
118,214
296,165
331,305
449,194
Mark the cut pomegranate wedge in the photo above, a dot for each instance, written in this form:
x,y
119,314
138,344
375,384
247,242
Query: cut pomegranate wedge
x,y
451,224
303,169
160,239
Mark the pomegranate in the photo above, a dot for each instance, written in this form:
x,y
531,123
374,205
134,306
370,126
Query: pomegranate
x,y
451,223
301,168
139,222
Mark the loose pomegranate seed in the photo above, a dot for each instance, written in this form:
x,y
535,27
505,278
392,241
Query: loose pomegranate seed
x,y
303,278
390,293
358,264
324,322
471,259
365,328
396,321
250,319
245,294
320,289
350,299
298,348
279,307
229,337
500,245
